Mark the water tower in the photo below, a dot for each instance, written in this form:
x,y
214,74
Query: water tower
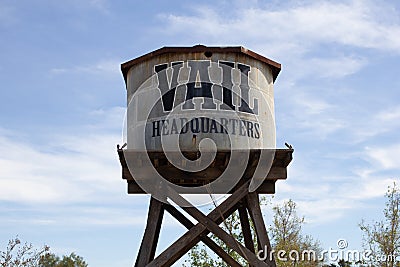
x,y
200,120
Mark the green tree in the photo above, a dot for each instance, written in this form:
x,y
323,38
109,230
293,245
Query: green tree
x,y
382,238
49,260
52,260
291,247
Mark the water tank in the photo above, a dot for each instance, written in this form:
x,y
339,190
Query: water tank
x,y
194,112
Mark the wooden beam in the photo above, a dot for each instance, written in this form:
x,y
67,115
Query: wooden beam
x,y
267,187
262,235
150,238
206,240
244,222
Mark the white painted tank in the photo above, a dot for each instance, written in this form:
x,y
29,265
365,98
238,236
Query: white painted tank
x,y
179,96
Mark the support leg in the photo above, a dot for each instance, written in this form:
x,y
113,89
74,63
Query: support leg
x,y
262,236
150,238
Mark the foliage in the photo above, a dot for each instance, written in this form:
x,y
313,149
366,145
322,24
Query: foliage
x,y
51,260
201,256
382,238
341,263
18,255
286,232
288,238
286,226
344,263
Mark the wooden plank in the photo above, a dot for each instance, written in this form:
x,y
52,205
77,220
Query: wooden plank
x,y
267,187
150,238
244,222
275,173
206,240
253,205
192,237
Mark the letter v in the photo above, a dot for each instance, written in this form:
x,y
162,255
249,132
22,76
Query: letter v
x,y
167,86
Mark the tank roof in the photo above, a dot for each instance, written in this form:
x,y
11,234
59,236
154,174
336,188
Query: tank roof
x,y
275,66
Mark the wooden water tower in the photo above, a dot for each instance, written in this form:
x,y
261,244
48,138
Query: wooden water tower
x,y
201,120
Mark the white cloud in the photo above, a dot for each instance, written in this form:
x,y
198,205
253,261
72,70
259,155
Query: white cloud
x,y
74,215
311,105
331,208
103,67
331,187
73,179
384,157
83,166
337,67
353,23
311,114
295,28
315,41
391,115
31,175
332,199
373,186
381,122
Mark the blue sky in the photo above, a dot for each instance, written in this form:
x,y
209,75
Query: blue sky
x,y
62,103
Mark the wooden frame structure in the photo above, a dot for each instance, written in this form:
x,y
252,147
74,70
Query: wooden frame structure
x,y
241,200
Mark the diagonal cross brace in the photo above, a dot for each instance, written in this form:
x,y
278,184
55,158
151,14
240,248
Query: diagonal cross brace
x,y
192,237
229,240
209,223
206,240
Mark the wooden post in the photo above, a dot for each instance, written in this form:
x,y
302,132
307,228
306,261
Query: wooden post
x,y
261,231
150,238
